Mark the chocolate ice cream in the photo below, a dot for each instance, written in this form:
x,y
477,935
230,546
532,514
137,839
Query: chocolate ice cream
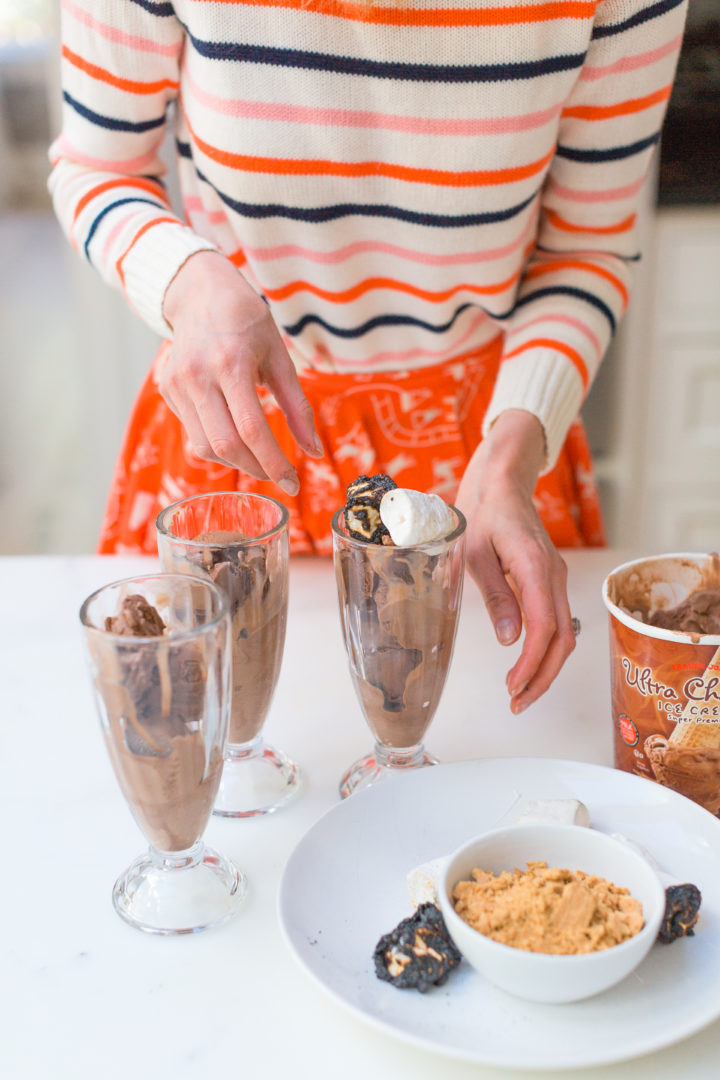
x,y
258,609
155,699
136,618
678,593
407,612
699,613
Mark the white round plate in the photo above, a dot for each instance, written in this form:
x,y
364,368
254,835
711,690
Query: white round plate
x,y
345,885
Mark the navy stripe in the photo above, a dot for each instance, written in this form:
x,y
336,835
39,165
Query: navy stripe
x,y
563,252
110,121
614,153
371,324
350,65
163,10
568,290
407,320
316,214
652,12
106,210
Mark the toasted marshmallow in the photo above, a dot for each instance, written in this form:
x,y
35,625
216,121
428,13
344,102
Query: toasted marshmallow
x,y
412,517
560,811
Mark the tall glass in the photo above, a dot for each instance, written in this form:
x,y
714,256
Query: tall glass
x,y
158,649
240,542
398,610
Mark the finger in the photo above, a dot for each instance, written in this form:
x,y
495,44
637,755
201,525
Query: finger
x,y
502,607
557,653
282,380
538,605
254,431
221,437
199,445
169,401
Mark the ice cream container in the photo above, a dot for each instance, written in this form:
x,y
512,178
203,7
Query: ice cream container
x,y
665,682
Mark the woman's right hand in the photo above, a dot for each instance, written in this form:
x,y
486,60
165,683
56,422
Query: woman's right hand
x,y
225,345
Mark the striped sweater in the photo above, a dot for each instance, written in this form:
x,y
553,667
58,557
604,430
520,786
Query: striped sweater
x,y
399,181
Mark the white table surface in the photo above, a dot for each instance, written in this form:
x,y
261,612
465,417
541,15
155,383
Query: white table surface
x,y
86,996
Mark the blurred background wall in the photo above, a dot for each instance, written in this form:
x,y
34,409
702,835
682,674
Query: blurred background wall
x,y
72,356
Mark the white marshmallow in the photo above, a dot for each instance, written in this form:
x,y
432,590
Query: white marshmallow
x,y
560,811
412,517
423,881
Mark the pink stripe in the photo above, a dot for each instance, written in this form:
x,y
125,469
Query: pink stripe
x,y
568,320
65,149
119,36
577,195
113,235
63,191
416,125
281,251
400,358
632,63
194,205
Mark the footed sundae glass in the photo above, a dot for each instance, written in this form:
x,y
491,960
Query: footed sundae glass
x,y
158,649
240,542
398,609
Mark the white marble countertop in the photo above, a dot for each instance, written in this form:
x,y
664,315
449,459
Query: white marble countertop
x,y
86,996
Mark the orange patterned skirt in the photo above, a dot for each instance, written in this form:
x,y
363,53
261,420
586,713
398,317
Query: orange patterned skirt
x,y
421,427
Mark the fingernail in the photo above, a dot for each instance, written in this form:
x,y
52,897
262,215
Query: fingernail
x,y
518,706
515,690
505,631
319,449
289,484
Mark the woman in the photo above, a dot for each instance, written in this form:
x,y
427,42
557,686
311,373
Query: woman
x,y
408,236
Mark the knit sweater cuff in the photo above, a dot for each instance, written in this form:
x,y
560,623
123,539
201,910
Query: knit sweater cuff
x,y
151,265
544,383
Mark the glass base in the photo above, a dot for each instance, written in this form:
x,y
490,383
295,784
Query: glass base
x,y
382,764
181,892
256,779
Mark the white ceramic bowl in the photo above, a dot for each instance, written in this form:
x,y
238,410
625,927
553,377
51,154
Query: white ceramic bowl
x,y
541,976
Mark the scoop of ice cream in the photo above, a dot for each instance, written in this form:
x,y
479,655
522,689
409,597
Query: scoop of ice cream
x,y
412,517
136,618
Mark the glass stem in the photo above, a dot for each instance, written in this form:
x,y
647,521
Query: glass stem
x,y
241,751
405,757
178,860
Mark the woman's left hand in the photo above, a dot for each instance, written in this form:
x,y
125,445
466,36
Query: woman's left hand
x,y
511,557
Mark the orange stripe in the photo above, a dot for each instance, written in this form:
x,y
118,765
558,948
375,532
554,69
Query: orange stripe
x,y
238,258
362,287
124,181
459,16
623,108
567,226
559,346
319,167
114,80
138,234
578,264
